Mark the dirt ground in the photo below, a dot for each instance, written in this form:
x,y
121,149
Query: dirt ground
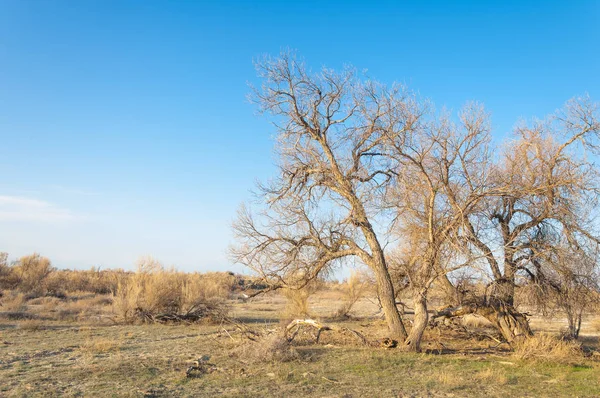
x,y
94,357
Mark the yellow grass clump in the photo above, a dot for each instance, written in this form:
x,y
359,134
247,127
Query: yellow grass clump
x,y
544,347
154,289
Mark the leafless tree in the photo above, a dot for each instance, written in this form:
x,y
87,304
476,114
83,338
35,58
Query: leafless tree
x,y
564,277
542,182
358,160
325,204
442,177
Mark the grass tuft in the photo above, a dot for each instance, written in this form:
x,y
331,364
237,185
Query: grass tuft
x,y
546,348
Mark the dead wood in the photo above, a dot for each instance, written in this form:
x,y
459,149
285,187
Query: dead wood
x,y
292,329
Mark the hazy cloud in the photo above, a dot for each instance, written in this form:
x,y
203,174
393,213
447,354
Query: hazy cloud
x,y
17,208
72,191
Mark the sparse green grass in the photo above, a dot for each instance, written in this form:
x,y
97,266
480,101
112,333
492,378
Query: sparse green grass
x,y
151,361
69,359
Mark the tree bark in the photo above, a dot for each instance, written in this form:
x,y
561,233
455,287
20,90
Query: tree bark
x,y
413,342
388,302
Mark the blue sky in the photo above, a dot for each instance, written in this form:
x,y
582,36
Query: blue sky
x,y
125,129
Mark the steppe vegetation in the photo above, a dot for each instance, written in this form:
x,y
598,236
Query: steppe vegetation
x,y
119,333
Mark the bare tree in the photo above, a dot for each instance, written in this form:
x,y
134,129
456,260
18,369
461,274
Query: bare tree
x,y
358,160
542,182
442,178
333,172
564,277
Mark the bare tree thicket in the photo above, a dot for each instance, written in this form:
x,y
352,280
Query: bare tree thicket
x,y
374,174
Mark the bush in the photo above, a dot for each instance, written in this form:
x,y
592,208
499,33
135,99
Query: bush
x,y
93,281
544,347
8,278
155,293
32,272
297,298
353,289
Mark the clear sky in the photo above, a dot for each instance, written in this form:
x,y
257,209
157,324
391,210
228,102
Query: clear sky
x,y
125,129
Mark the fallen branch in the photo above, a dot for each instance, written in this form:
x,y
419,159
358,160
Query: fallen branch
x,y
294,327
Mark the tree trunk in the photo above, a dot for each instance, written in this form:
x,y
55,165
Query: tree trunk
x,y
574,318
385,288
510,323
413,341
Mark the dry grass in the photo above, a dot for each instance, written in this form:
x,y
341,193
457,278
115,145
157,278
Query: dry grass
x,y
492,376
153,289
30,325
546,348
297,299
98,345
68,359
595,324
93,280
14,302
449,379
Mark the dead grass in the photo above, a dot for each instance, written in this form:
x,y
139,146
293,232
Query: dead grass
x,y
297,299
31,325
14,302
546,348
65,359
449,379
492,375
98,345
154,290
475,322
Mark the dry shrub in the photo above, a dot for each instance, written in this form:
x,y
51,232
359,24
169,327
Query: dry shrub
x,y
32,272
153,290
91,281
81,309
544,347
269,348
46,304
14,302
8,280
353,289
297,299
